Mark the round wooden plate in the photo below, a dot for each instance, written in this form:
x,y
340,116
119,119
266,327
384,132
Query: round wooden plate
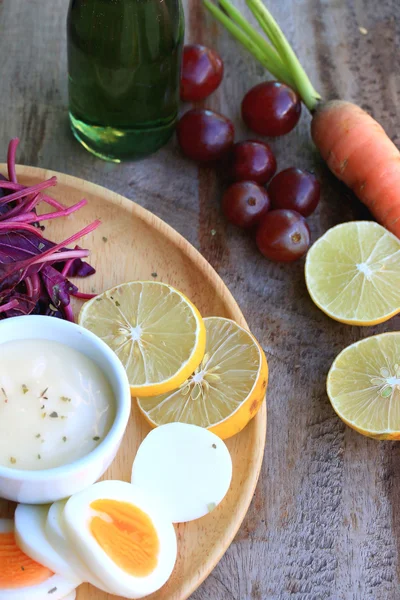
x,y
132,244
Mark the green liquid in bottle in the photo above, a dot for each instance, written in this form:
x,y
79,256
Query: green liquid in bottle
x,y
124,65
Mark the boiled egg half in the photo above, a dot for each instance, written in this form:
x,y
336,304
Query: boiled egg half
x,y
56,534
21,578
30,535
122,536
188,468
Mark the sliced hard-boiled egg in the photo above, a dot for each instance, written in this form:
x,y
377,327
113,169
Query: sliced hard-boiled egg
x,y
30,535
188,468
55,533
122,536
21,578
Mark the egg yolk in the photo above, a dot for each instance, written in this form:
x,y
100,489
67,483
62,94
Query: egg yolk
x,y
17,570
127,535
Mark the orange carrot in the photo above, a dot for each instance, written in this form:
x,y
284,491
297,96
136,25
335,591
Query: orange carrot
x,y
358,151
354,145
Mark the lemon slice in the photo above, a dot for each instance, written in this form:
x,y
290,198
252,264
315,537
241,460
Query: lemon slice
x,y
364,386
353,273
156,332
224,392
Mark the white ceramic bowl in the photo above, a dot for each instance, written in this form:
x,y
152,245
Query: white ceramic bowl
x,y
40,487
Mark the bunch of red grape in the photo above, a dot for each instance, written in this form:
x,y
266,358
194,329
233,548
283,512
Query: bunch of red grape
x,y
277,212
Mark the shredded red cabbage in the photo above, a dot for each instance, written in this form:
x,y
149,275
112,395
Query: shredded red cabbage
x,y
33,269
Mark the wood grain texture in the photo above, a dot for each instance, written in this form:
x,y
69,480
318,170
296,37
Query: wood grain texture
x,y
324,523
147,249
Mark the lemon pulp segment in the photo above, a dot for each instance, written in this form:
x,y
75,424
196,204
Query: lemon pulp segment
x,y
353,273
156,332
363,386
226,389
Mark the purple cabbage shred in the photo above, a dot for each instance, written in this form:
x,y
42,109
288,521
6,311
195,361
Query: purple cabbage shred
x,y
34,271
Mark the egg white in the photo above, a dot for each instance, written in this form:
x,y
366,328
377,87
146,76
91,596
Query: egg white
x,y
77,517
188,468
57,537
30,535
54,588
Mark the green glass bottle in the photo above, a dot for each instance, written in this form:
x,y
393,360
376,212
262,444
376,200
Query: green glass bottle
x,y
123,67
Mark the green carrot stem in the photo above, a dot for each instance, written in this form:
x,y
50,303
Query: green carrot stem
x,y
266,55
271,28
258,39
277,56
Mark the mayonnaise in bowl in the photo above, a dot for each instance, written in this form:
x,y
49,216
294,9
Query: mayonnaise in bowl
x,y
56,405
64,408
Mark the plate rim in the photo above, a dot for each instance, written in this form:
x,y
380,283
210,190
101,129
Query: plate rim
x,y
178,240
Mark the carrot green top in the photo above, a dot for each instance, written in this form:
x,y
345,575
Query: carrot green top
x,y
274,53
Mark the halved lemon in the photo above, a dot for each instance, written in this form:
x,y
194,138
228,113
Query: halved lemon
x,y
353,273
224,392
156,332
364,386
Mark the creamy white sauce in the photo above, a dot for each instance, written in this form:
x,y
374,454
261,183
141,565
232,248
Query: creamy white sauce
x,y
56,405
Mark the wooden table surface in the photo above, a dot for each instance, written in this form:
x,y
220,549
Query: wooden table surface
x,y
325,519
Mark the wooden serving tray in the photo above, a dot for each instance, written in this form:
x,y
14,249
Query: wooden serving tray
x,y
132,243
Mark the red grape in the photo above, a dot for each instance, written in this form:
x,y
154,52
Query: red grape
x,y
283,235
271,108
244,203
295,189
202,72
253,161
205,135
